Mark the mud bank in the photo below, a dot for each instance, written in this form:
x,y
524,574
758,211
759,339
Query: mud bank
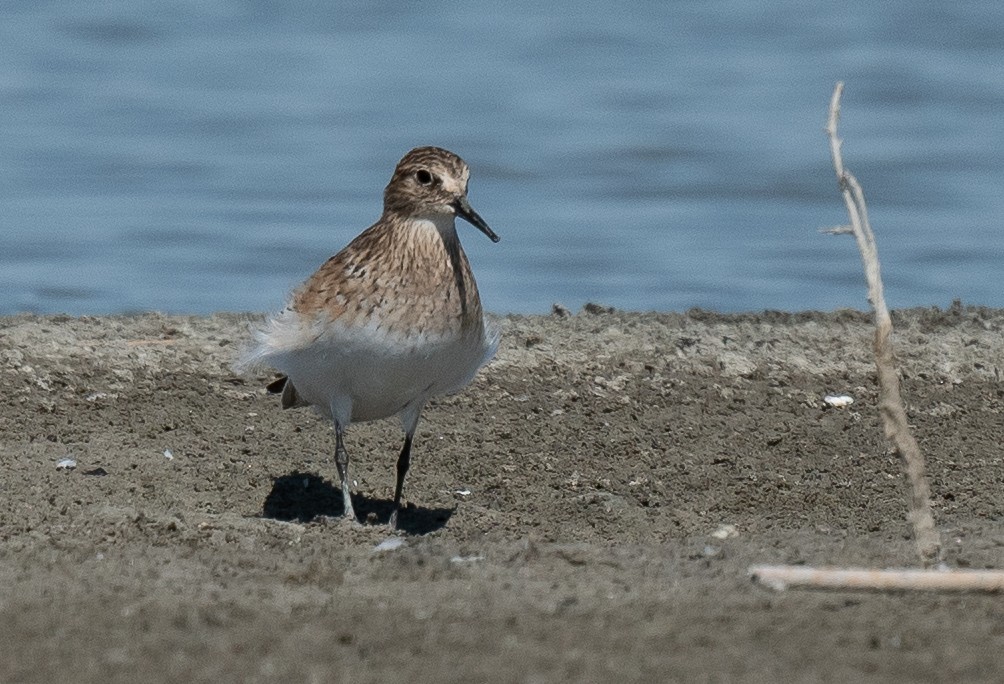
x,y
585,511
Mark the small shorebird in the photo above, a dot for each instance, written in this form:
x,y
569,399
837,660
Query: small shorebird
x,y
391,320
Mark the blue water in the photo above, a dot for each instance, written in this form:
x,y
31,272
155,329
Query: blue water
x,y
208,155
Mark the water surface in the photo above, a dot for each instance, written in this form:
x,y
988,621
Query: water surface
x,y
203,156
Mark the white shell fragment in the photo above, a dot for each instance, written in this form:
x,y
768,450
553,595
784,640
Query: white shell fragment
x,y
466,559
168,455
389,544
66,464
838,400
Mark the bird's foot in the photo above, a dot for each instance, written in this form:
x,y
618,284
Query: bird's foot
x,y
349,513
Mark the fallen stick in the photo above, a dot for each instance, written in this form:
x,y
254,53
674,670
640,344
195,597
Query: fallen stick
x,y
891,407
780,577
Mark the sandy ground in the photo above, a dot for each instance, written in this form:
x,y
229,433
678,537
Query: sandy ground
x,y
567,515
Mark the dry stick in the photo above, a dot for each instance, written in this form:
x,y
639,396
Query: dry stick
x,y
890,402
896,429
781,577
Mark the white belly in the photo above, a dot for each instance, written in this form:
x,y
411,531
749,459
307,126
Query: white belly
x,y
360,374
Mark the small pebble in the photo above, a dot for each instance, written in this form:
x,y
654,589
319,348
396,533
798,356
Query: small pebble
x,y
560,311
725,532
838,400
66,464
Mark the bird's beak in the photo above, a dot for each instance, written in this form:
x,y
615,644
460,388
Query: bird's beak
x,y
464,211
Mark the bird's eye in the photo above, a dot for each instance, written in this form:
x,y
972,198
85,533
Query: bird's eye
x,y
423,177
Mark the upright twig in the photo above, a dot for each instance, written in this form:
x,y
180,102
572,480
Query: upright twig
x,y
890,402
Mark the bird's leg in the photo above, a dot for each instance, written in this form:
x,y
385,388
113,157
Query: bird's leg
x,y
403,461
342,463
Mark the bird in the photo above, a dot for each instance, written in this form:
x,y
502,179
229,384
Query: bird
x,y
390,321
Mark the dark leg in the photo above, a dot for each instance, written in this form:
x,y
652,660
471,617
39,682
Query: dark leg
x,y
403,461
342,463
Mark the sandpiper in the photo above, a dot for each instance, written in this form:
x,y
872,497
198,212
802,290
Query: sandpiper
x,y
391,320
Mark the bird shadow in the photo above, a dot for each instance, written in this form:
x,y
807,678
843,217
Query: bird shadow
x,y
303,497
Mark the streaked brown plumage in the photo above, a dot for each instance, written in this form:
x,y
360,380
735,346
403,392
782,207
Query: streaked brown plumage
x,y
391,320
